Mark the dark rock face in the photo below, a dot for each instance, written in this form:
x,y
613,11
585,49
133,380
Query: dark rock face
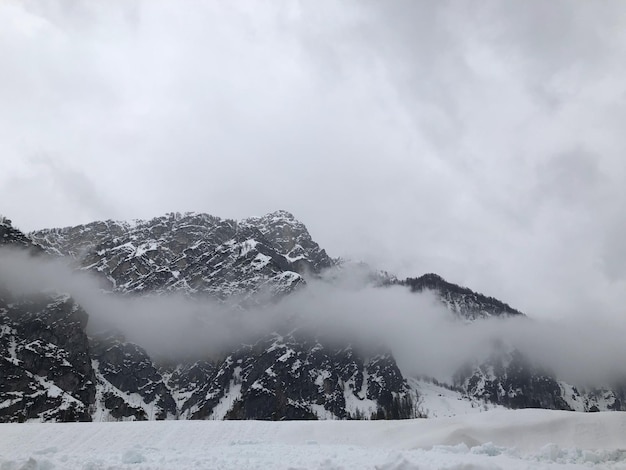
x,y
612,398
193,253
297,377
280,377
51,371
124,369
12,236
186,378
508,379
462,301
45,365
291,238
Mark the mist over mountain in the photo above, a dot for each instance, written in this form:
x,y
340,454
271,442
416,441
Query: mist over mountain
x,y
191,316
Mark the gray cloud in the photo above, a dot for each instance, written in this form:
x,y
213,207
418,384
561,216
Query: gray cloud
x,y
70,191
480,140
425,338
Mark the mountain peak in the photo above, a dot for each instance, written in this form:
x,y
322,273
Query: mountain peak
x,y
291,238
9,235
281,213
275,216
462,301
196,253
431,278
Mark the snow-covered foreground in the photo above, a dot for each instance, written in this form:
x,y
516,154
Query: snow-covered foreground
x,y
506,439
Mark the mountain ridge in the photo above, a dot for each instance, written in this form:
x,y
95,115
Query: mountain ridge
x,y
228,258
463,301
283,375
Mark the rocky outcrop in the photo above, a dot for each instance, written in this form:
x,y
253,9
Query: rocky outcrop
x,y
45,361
45,367
9,235
297,376
129,384
463,302
507,378
291,239
50,370
193,253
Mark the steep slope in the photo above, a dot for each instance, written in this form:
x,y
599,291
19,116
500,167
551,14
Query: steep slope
x,y
437,400
297,376
55,372
44,352
193,253
52,371
9,235
290,238
464,302
509,379
44,360
276,378
129,385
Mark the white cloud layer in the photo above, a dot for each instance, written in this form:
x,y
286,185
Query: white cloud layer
x,y
479,140
425,338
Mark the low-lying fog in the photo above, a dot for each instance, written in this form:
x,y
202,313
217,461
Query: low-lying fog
x,y
424,336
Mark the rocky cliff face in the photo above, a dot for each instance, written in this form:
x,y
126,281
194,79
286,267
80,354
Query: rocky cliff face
x,y
297,376
279,377
129,384
51,370
12,237
508,379
44,360
45,367
464,302
290,238
193,253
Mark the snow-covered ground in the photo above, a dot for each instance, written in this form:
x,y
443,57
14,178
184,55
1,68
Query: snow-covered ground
x,y
435,401
497,439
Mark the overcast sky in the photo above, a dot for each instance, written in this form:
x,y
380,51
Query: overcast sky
x,y
480,140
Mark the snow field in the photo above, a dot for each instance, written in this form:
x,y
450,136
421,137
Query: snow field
x,y
497,439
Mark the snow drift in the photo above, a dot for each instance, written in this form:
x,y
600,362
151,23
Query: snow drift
x,y
497,439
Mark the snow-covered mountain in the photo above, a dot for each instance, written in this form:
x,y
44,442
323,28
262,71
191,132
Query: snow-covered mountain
x,y
45,362
278,377
10,236
463,302
300,377
193,253
53,370
509,379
